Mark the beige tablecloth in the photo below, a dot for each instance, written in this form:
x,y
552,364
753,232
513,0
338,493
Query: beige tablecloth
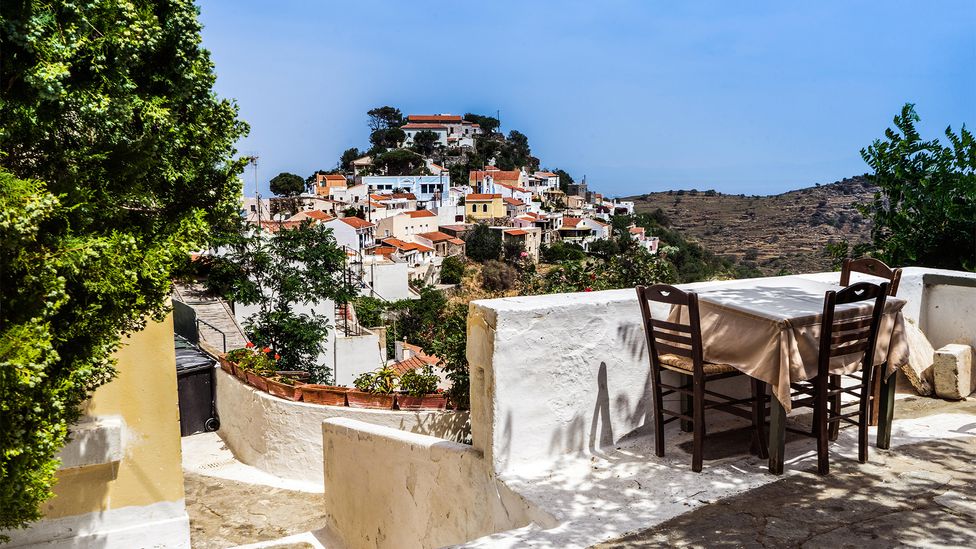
x,y
770,330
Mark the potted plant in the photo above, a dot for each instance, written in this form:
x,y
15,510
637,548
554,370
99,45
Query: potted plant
x,y
285,387
330,395
418,390
374,390
253,365
229,360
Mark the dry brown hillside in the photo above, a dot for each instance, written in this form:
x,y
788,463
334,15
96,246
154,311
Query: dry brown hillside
x,y
787,231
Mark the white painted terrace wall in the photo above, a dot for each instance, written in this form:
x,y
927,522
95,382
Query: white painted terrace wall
x,y
387,488
355,355
284,438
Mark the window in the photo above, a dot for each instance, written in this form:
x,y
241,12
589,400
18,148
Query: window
x,y
254,208
474,208
484,208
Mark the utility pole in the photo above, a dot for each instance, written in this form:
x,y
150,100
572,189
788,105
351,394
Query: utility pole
x,y
253,162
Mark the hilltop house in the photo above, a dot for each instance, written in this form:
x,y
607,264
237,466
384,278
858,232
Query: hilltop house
x,y
426,188
325,183
649,243
405,225
443,244
485,206
452,130
530,238
352,232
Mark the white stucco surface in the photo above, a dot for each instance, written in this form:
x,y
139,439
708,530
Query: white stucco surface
x,y
560,404
163,524
284,438
94,441
387,488
355,355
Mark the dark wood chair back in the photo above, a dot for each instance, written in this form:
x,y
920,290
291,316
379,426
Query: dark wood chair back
x,y
855,335
870,266
674,338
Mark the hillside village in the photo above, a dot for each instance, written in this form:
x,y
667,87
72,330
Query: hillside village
x,y
400,221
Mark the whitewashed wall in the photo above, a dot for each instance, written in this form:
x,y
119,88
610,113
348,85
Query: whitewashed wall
x,y
284,438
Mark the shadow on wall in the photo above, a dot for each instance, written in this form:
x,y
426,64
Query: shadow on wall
x,y
455,427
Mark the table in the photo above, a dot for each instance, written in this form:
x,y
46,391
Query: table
x,y
769,328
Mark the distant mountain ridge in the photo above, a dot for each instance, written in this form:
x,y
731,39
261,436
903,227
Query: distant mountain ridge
x,y
783,232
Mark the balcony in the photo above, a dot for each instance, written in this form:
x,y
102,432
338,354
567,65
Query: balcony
x,y
560,413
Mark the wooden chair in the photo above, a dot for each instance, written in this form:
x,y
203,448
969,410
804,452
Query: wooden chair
x,y
873,267
823,393
677,347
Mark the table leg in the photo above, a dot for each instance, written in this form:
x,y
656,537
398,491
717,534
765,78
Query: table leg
x,y
886,409
777,435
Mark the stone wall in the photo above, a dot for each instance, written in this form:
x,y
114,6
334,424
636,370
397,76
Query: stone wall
x,y
284,438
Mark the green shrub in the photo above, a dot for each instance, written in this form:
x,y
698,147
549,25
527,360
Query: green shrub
x,y
452,270
498,277
419,381
383,381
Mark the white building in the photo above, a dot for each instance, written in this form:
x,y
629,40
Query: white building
x,y
427,188
352,232
452,130
407,224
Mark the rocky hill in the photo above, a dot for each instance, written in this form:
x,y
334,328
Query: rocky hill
x,y
784,232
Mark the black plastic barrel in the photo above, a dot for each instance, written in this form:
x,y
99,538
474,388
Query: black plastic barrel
x,y
196,387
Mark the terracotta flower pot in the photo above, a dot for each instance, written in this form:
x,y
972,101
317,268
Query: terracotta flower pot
x,y
324,394
240,373
226,365
283,390
433,401
257,381
359,399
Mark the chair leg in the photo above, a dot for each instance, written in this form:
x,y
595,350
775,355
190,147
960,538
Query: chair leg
x,y
876,396
759,417
658,412
820,424
698,404
886,409
833,428
686,400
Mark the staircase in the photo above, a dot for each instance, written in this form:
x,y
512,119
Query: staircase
x,y
216,320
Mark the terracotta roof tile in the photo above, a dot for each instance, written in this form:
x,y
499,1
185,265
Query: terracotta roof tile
x,y
482,196
423,126
434,118
421,213
435,236
517,232
356,223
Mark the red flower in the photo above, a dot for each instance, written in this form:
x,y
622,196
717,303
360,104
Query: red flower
x,y
249,345
588,289
277,356
266,350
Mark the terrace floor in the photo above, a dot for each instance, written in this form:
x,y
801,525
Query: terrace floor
x,y
919,493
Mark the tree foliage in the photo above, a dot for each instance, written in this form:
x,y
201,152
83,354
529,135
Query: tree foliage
x,y
452,270
386,117
347,158
924,211
281,274
117,158
399,162
425,142
488,124
482,244
287,184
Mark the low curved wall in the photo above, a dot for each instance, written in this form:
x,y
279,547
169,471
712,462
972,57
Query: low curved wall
x,y
284,438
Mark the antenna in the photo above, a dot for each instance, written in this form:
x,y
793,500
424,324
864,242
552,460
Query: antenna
x,y
252,160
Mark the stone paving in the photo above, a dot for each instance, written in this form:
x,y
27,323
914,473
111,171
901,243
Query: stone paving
x,y
916,495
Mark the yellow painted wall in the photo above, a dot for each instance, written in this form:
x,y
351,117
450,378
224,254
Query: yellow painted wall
x,y
496,209
144,394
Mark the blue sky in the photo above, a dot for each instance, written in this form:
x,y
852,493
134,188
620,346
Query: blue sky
x,y
639,96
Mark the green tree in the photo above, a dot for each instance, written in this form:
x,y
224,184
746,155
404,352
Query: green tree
x,y
483,244
386,138
565,180
382,118
118,161
512,250
425,142
604,249
279,273
399,162
452,270
924,211
488,124
347,158
287,184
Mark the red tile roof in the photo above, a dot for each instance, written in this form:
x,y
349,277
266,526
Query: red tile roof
x,y
456,241
516,232
416,126
434,118
457,228
571,221
636,230
406,246
496,175
357,223
421,213
513,201
275,226
381,250
319,215
435,236
482,196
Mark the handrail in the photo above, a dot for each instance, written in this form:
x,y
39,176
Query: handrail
x,y
223,335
